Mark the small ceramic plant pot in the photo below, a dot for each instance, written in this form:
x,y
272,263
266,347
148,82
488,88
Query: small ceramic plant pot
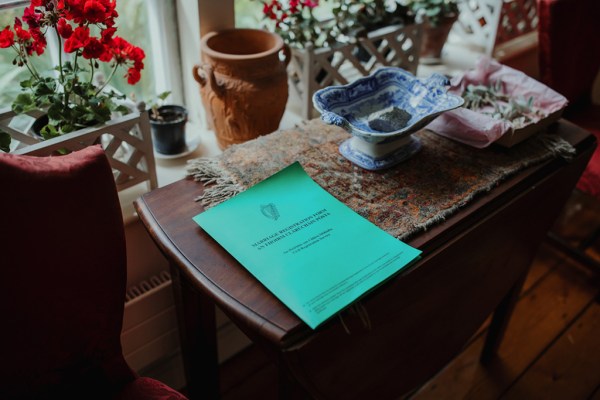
x,y
168,130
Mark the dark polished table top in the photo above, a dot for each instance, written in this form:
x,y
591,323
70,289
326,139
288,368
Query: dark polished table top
x,y
520,208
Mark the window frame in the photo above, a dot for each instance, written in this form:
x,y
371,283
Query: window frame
x,y
194,19
8,4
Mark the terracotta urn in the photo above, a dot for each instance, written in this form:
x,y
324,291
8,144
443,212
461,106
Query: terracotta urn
x,y
243,83
434,39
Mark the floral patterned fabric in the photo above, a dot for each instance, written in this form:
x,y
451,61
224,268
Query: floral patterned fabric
x,y
402,200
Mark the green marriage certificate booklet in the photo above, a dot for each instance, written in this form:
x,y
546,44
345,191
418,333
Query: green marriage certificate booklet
x,y
309,249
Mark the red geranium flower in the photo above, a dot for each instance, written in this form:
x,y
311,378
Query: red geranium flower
x,y
78,40
93,49
39,42
133,76
65,30
294,6
72,10
7,38
136,54
107,35
32,17
310,3
121,49
22,34
107,54
94,11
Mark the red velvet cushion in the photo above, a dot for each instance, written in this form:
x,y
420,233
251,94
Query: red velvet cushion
x,y
589,118
569,45
148,389
63,276
569,55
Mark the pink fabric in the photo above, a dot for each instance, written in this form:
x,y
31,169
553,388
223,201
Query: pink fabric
x,y
64,268
479,130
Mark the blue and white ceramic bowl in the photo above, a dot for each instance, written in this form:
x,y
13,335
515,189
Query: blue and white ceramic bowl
x,y
381,111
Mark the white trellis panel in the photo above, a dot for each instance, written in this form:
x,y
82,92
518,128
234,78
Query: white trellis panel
x,y
311,69
126,140
486,25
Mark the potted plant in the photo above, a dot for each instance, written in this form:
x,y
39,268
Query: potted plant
x,y
86,31
167,124
296,21
358,37
438,17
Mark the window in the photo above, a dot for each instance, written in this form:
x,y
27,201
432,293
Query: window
x,y
9,74
149,24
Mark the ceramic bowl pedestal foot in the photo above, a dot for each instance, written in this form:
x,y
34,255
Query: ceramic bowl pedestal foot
x,y
376,156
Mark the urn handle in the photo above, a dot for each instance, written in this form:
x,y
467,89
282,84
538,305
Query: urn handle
x,y
204,75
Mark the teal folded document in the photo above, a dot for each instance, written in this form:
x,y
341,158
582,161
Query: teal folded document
x,y
308,248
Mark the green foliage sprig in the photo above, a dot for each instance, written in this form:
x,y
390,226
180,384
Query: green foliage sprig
x,y
519,111
296,21
433,11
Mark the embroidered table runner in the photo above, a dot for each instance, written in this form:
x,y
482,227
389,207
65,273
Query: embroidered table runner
x,y
402,200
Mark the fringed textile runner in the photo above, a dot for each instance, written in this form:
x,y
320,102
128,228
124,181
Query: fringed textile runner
x,y
403,200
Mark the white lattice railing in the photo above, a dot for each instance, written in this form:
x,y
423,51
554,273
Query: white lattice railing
x,y
126,140
315,68
490,25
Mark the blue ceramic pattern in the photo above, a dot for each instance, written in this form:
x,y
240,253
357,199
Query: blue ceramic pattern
x,y
353,106
371,163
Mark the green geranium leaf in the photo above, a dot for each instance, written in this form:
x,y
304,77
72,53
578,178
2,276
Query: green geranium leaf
x,y
66,128
24,102
27,83
164,95
55,112
102,114
49,131
122,109
44,88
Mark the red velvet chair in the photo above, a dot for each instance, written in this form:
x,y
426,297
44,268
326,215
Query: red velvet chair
x,y
62,290
569,58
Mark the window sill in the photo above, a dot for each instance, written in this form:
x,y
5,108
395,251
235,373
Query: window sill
x,y
174,169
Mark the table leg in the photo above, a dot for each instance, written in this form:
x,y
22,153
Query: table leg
x,y
500,320
197,332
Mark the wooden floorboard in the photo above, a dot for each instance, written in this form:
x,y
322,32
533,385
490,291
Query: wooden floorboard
x,y
551,349
570,369
540,315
